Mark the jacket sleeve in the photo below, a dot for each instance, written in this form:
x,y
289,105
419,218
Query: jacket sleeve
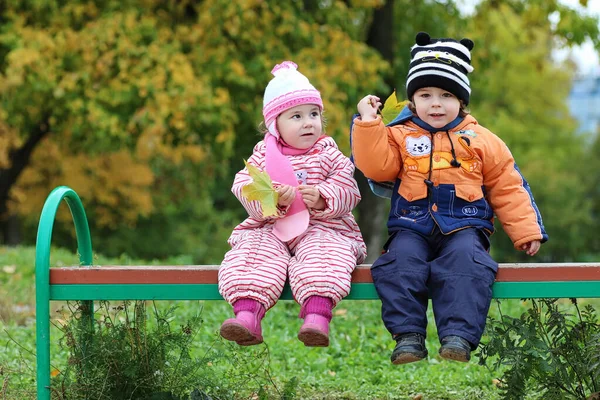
x,y
510,196
340,189
375,150
242,178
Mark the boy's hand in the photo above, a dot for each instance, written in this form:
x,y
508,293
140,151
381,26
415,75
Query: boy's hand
x,y
532,247
312,198
286,194
368,106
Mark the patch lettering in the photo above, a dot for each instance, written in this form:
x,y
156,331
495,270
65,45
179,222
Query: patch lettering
x,y
470,211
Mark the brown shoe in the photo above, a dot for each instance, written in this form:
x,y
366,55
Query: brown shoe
x,y
455,348
410,347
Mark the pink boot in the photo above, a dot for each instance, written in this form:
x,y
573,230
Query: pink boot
x,y
245,328
317,315
315,331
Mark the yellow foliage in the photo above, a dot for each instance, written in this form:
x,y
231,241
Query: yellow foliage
x,y
368,3
225,136
127,88
9,140
115,186
150,144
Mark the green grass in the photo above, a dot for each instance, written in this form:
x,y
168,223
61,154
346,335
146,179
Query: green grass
x,y
355,366
17,316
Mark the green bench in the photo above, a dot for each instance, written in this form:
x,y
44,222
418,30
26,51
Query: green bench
x,y
199,282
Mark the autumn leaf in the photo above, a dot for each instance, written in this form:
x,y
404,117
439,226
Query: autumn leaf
x,y
261,189
391,108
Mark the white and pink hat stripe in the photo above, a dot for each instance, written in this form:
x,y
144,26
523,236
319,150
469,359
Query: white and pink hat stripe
x,y
287,89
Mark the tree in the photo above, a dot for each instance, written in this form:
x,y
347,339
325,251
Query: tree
x,y
132,92
520,94
372,215
103,102
147,111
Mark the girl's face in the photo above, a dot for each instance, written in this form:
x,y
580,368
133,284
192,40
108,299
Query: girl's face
x,y
436,106
300,126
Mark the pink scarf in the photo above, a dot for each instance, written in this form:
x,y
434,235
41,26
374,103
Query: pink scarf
x,y
279,167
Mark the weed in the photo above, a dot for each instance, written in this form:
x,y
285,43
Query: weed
x,y
124,354
119,356
547,351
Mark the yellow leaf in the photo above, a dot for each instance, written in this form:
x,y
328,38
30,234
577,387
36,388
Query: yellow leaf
x,y
391,108
261,189
54,373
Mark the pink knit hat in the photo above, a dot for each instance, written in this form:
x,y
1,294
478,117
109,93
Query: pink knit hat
x,y
287,89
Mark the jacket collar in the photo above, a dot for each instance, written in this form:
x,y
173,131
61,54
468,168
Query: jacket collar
x,y
429,128
406,116
456,125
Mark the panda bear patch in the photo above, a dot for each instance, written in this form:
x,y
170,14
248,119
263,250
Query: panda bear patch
x,y
420,146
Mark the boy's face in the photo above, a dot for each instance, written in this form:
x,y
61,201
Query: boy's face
x,y
436,106
300,126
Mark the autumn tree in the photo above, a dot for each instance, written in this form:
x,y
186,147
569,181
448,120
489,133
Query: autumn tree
x,y
520,94
393,41
147,111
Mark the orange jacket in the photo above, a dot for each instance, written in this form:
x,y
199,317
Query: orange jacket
x,y
430,190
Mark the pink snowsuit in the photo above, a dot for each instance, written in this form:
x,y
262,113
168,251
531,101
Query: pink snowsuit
x,y
318,262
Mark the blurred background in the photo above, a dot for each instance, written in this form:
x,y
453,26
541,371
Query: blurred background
x,y
147,108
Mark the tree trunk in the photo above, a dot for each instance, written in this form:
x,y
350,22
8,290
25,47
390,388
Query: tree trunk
x,y
372,210
19,160
11,230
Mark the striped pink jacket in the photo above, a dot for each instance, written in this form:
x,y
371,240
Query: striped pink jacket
x,y
324,166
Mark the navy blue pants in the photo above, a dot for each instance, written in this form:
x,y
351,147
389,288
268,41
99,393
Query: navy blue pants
x,y
455,271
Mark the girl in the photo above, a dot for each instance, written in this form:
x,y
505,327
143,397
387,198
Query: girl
x,y
313,240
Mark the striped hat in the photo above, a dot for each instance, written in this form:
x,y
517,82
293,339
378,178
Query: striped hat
x,y
288,88
442,63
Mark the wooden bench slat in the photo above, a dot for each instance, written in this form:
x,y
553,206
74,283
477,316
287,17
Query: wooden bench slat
x,y
208,274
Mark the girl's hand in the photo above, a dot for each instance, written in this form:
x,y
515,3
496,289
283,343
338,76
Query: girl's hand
x,y
286,194
368,106
312,198
532,247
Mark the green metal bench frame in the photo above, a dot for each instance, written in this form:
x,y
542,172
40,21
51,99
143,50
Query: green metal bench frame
x,y
87,283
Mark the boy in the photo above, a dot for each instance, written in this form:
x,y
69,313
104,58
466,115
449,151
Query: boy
x,y
451,176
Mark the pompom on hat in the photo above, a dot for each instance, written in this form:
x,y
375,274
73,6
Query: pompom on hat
x,y
442,63
287,89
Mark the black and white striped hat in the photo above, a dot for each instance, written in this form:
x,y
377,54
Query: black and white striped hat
x,y
442,63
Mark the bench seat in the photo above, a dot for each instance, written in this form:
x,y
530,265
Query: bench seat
x,y
199,282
